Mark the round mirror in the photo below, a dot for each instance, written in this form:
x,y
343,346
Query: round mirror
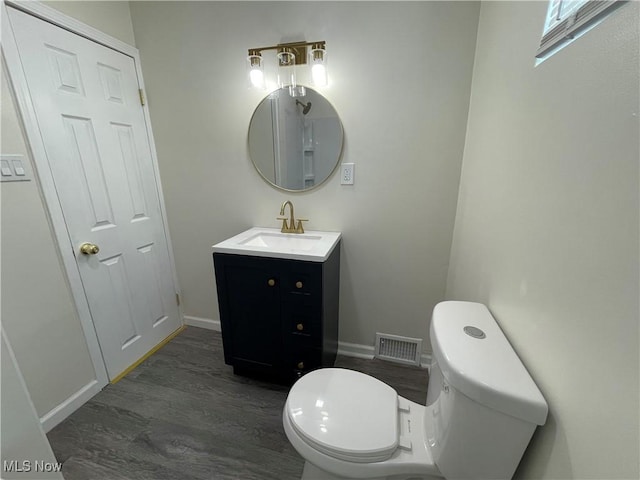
x,y
295,142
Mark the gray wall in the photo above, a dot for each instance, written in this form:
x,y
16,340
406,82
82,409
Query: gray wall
x,y
547,228
401,75
111,17
38,313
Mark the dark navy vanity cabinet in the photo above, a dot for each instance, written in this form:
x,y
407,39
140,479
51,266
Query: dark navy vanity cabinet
x,y
279,317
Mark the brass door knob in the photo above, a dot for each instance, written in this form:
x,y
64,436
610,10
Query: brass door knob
x,y
271,282
298,284
89,248
300,327
300,365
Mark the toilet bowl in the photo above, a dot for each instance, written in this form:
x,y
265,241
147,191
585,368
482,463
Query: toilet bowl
x,y
482,409
358,427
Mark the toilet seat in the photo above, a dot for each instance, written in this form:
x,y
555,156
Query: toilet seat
x,y
345,414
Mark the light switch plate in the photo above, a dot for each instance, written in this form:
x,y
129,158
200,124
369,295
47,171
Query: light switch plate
x,y
14,169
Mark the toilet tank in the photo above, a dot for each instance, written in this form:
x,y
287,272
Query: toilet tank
x,y
482,404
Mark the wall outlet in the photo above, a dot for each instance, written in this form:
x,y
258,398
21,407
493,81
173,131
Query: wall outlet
x,y
346,173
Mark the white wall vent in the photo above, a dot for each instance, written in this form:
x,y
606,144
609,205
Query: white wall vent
x,y
398,349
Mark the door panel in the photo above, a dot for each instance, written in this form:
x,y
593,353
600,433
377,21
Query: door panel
x,y
87,106
117,285
84,159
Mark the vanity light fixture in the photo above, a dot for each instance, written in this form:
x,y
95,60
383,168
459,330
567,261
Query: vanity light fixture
x,y
318,59
256,69
289,57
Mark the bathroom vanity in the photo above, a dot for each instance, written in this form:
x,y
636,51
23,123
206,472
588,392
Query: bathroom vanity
x,y
278,301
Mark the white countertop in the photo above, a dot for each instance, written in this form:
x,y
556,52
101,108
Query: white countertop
x,y
311,246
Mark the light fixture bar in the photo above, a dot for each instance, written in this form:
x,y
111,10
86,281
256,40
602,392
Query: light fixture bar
x,y
299,49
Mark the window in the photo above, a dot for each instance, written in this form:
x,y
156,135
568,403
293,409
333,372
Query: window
x,y
568,19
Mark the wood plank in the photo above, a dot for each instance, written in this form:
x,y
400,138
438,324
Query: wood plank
x,y
183,414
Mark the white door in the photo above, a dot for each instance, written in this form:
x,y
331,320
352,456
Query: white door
x,y
92,124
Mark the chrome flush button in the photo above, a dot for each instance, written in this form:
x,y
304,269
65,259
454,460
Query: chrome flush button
x,y
474,332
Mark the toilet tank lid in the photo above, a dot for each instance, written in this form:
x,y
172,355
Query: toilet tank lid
x,y
477,359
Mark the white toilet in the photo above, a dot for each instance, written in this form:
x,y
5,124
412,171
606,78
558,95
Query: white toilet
x,y
482,409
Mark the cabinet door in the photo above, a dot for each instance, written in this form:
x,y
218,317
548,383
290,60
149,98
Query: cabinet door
x,y
254,313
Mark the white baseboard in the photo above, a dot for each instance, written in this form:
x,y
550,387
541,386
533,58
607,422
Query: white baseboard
x,y
70,405
355,350
344,348
208,323
367,352
425,360
56,415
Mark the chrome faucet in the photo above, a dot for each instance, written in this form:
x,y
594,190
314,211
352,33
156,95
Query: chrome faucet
x,y
291,226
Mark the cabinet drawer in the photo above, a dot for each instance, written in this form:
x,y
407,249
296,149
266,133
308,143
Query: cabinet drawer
x,y
299,340
301,325
303,330
303,360
302,280
301,312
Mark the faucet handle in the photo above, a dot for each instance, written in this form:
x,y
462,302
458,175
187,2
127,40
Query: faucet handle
x,y
299,228
285,226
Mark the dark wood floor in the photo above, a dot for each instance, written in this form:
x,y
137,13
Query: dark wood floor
x,y
183,414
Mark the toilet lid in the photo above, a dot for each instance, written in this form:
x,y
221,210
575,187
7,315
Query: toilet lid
x,y
345,414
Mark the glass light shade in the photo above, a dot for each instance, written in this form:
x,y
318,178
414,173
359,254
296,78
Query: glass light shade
x,y
318,62
257,77
297,91
286,69
255,66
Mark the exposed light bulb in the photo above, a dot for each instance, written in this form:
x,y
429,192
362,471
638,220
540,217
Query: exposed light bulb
x,y
255,69
318,61
319,75
257,77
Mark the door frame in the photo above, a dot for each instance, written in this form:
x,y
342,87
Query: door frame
x,y
26,112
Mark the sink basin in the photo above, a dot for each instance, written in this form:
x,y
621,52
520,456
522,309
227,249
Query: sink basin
x,y
314,246
282,241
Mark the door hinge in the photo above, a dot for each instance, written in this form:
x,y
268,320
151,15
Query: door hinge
x,y
142,101
178,299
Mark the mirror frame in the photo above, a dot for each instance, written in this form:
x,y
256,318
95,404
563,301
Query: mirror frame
x,y
333,169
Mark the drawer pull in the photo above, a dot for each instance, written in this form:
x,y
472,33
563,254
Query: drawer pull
x,y
271,282
300,365
300,327
298,284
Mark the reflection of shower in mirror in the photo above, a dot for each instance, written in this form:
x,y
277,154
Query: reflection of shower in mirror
x,y
305,108
293,148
